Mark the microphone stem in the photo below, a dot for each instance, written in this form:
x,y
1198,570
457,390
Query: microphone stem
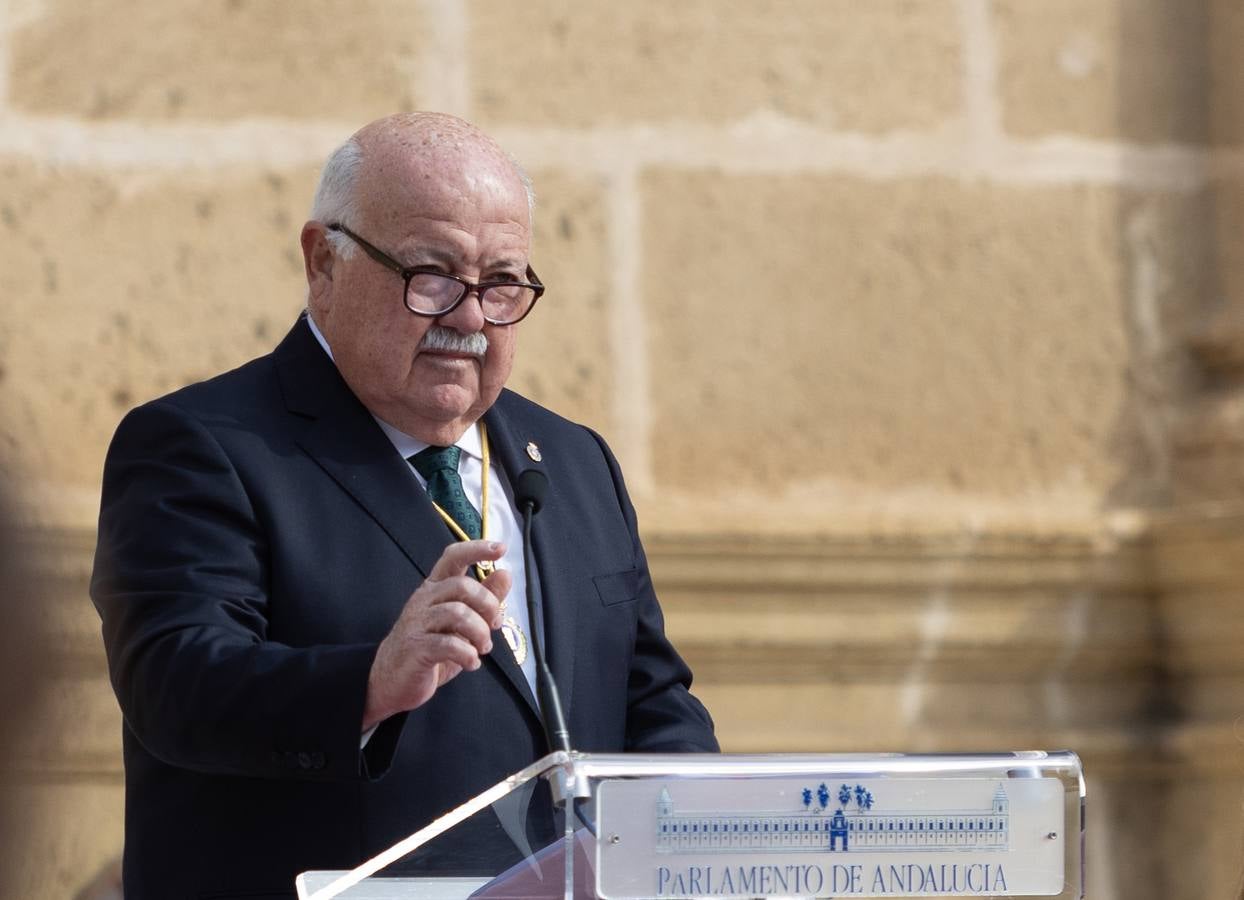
x,y
555,730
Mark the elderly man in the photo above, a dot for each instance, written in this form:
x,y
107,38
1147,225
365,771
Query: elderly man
x,y
310,571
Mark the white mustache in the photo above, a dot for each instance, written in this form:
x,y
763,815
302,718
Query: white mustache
x,y
438,337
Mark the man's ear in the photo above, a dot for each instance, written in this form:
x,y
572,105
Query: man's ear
x,y
317,260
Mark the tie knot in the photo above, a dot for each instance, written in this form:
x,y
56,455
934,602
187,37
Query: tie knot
x,y
436,459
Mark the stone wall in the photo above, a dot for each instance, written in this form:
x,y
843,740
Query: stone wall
x,y
918,326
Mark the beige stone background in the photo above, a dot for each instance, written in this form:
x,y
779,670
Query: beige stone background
x,y
918,326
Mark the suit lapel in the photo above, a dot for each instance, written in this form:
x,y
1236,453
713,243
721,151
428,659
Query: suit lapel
x,y
349,446
509,442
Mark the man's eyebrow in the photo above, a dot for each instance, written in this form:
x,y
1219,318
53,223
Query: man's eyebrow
x,y
509,262
423,255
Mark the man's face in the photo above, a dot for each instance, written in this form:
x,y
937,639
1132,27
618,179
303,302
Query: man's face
x,y
472,223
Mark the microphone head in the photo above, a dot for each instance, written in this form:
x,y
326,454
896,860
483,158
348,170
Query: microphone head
x,y
530,488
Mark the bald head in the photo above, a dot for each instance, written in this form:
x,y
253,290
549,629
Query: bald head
x,y
427,135
418,151
432,193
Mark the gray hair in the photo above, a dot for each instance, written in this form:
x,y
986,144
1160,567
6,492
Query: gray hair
x,y
527,186
336,197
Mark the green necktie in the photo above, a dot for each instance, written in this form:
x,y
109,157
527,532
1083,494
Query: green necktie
x,y
439,467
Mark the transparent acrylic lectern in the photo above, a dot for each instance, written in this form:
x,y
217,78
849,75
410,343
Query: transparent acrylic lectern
x,y
625,827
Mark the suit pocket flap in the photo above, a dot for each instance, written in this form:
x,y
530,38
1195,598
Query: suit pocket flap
x,y
620,587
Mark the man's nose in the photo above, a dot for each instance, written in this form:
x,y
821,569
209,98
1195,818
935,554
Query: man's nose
x,y
468,316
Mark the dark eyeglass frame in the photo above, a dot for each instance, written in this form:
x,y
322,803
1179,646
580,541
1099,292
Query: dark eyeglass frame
x,y
533,282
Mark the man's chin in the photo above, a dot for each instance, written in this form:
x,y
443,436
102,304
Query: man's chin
x,y
440,404
447,403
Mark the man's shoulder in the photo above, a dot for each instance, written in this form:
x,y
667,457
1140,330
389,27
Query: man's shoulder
x,y
251,388
247,386
518,409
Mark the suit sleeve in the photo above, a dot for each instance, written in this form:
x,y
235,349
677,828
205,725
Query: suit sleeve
x,y
663,716
181,585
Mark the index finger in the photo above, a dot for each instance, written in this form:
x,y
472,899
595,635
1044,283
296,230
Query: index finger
x,y
460,556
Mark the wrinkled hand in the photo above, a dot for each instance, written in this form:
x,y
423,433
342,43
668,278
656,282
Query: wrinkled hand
x,y
445,627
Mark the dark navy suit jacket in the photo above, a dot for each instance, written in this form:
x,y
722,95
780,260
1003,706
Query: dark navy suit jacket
x,y
258,537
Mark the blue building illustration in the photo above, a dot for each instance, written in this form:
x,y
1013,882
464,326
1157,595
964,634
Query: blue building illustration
x,y
838,828
817,830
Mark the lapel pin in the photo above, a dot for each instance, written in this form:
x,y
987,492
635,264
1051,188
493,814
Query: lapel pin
x,y
534,452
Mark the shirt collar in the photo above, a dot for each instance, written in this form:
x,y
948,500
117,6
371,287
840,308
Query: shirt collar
x,y
319,335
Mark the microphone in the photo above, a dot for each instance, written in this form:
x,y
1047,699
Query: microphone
x,y
529,490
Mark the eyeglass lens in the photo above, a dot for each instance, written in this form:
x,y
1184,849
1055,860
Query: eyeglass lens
x,y
432,293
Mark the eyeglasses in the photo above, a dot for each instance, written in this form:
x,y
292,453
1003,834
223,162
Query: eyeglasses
x,y
433,294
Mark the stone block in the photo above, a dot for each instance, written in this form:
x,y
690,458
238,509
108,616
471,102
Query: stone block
x,y
69,830
121,287
1208,448
1135,70
821,343
77,728
873,67
1226,36
1229,218
1193,852
564,357
918,715
208,59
